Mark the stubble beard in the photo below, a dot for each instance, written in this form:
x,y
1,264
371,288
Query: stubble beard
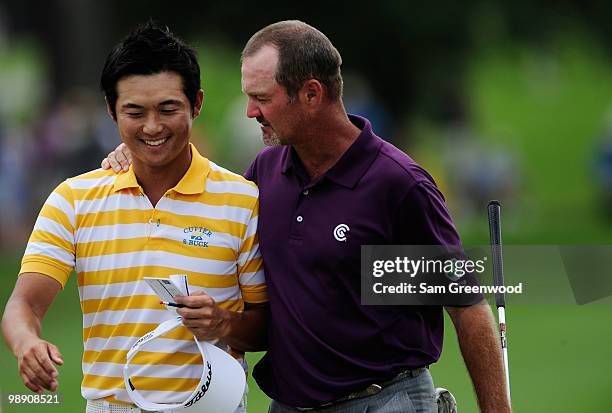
x,y
271,140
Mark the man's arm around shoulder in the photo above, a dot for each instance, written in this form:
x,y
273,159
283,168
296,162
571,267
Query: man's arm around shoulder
x,y
21,326
481,351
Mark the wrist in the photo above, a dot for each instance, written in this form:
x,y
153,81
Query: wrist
x,y
228,323
22,344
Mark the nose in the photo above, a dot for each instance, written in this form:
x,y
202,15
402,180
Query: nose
x,y
152,125
252,110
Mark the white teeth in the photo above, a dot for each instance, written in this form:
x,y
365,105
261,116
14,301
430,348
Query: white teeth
x,y
156,143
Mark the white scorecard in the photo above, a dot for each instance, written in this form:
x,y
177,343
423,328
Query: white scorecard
x,y
168,288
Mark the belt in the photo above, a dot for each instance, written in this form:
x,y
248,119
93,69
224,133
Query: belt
x,y
371,390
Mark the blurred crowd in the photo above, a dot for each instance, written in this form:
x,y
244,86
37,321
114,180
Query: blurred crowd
x,y
66,138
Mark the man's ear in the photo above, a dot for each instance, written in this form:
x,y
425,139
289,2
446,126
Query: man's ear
x,y
109,110
197,104
311,92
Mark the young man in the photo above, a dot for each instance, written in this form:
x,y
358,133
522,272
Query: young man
x,y
173,212
328,171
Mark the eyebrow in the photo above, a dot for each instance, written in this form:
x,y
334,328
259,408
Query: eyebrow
x,y
167,102
171,102
131,106
256,93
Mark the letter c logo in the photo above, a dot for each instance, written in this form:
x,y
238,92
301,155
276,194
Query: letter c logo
x,y
340,232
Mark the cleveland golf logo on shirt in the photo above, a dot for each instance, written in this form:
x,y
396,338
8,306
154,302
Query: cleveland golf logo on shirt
x,y
340,232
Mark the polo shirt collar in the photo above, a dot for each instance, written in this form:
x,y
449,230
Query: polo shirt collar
x,y
354,162
126,180
287,158
193,182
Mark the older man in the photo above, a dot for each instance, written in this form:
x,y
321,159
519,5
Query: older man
x,y
328,185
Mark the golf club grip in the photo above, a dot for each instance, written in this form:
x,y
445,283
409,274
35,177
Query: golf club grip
x,y
494,209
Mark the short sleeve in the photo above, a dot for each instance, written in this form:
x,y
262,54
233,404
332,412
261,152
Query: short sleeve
x,y
250,173
51,247
250,263
422,218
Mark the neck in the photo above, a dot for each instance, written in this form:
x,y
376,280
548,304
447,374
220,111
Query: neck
x,y
325,143
157,180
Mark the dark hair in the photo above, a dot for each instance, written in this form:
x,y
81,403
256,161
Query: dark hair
x,y
147,50
303,53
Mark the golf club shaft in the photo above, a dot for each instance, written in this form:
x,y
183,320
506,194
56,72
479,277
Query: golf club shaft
x,y
501,315
494,212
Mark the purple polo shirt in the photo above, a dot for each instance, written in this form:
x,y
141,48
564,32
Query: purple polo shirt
x,y
323,344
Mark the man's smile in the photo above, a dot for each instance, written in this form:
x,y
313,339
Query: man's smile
x,y
155,142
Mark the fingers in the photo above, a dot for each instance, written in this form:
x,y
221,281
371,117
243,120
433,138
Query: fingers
x,y
124,157
195,313
45,367
113,162
119,159
36,368
122,161
55,354
40,364
126,152
199,306
196,300
31,381
202,316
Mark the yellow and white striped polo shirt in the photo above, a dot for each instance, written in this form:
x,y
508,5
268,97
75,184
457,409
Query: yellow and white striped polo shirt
x,y
102,226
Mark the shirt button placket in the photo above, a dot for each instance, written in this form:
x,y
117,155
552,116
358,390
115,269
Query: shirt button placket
x,y
151,225
300,218
297,227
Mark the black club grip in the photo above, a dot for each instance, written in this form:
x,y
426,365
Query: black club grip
x,y
494,209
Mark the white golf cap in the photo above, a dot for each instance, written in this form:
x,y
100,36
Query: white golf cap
x,y
220,389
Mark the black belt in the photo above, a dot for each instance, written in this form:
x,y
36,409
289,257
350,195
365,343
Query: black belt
x,y
371,390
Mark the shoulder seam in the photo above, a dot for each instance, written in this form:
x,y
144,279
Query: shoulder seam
x,y
417,180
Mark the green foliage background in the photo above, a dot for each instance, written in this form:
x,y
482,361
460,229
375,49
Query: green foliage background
x,y
549,105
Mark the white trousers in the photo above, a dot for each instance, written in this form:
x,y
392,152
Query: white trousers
x,y
103,406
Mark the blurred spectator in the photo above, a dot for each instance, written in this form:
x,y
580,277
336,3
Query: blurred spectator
x,y
603,170
360,99
15,197
478,173
73,135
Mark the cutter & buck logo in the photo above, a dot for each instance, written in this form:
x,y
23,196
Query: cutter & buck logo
x,y
197,236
